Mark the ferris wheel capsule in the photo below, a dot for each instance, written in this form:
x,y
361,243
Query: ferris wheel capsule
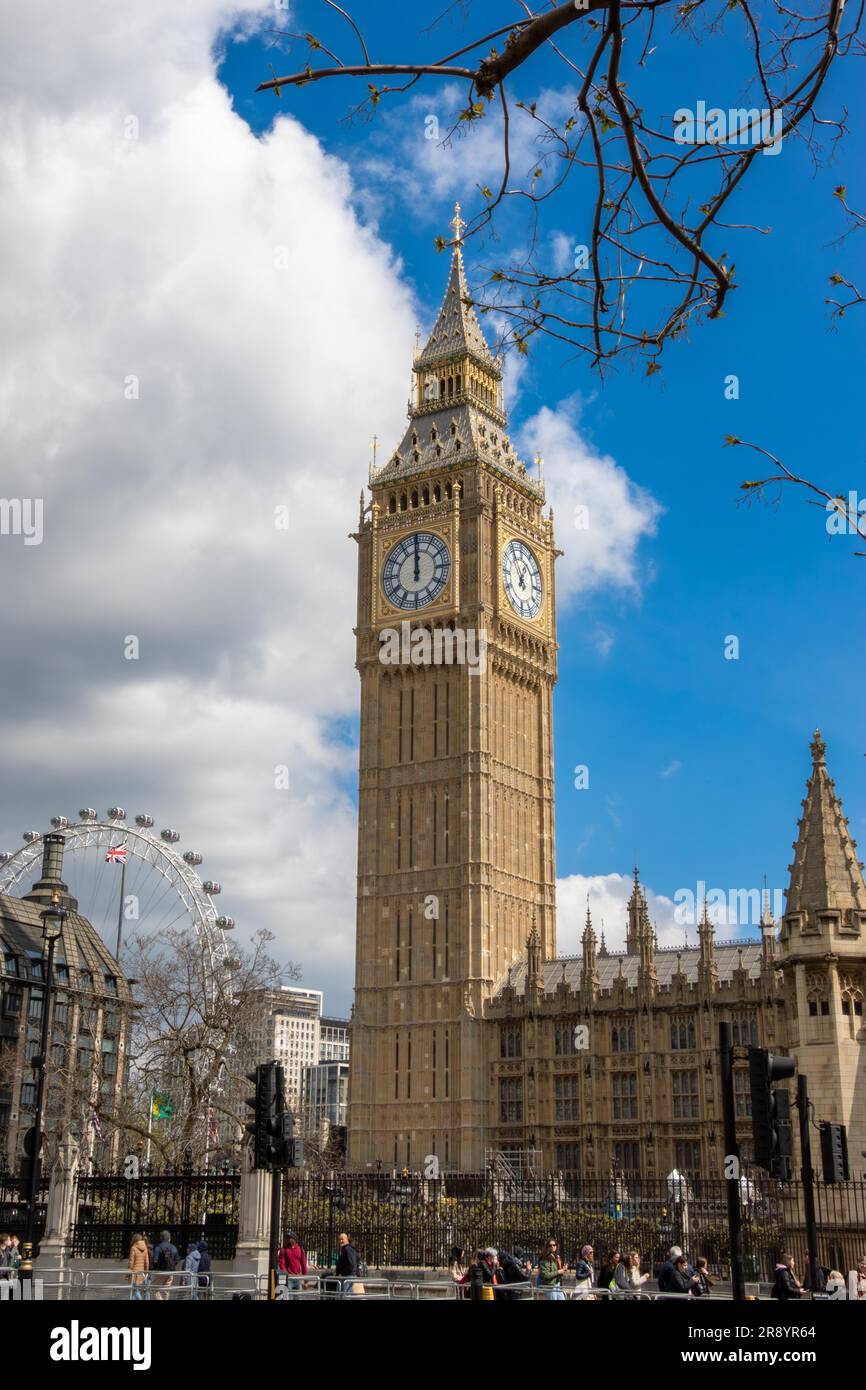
x,y
116,813
88,813
59,822
144,821
191,857
226,923
5,856
171,837
29,836
212,888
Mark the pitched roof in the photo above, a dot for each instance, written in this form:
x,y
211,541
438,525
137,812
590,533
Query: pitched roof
x,y
668,960
826,872
430,442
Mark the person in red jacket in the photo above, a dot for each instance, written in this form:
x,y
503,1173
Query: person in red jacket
x,y
292,1261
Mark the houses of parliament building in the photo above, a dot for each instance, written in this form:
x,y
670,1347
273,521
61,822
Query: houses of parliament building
x,y
470,1038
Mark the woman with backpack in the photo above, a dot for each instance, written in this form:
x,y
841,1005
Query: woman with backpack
x,y
165,1262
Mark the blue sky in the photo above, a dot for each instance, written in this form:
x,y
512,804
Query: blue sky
x,y
256,267
696,762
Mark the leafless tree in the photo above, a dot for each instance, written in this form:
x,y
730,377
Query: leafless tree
x,y
651,186
191,1038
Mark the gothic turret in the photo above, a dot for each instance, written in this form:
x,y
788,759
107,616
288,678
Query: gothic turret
x,y
827,885
708,970
822,955
638,918
589,970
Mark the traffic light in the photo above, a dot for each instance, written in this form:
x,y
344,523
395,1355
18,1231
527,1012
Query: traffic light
x,y
263,1104
834,1152
771,1112
274,1125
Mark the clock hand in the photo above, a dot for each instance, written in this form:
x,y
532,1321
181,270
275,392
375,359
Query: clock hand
x,y
417,570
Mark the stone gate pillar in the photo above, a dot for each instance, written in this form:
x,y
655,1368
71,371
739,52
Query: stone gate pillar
x,y
60,1217
254,1224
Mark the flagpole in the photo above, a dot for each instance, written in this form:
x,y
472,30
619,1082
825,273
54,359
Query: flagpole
x,y
149,1129
120,911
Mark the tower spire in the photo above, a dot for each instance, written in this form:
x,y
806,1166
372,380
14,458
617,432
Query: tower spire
x,y
638,918
826,872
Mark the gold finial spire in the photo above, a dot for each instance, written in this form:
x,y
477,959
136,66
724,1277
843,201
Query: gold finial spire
x,y
458,224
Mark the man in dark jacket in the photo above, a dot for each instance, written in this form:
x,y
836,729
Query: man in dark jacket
x,y
165,1261
514,1271
346,1267
204,1269
787,1285
483,1272
666,1272
680,1282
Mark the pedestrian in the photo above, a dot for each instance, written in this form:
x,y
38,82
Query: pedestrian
x,y
165,1262
513,1267
138,1265
457,1265
634,1278
5,1256
786,1284
484,1275
666,1272
549,1272
612,1274
292,1260
191,1263
815,1281
857,1280
704,1286
682,1280
204,1270
584,1274
348,1267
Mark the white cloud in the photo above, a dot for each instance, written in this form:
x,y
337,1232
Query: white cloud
x,y
672,768
422,153
601,515
608,901
159,257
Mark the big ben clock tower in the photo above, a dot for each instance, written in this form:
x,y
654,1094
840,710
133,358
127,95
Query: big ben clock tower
x,y
456,650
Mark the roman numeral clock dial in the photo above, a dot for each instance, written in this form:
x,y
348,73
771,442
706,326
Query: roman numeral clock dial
x,y
522,579
416,570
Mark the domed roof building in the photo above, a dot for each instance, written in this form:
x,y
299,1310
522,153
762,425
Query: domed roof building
x,y
91,1001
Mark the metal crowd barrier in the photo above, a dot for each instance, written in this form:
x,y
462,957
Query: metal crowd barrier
x,y
115,1284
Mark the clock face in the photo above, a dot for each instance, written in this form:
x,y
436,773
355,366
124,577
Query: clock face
x,y
416,570
522,579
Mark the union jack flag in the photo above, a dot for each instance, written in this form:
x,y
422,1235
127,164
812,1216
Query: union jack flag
x,y
94,1120
213,1132
116,854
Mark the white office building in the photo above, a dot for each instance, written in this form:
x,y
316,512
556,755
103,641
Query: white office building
x,y
289,1032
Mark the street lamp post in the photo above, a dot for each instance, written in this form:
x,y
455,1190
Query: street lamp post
x,y
53,918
